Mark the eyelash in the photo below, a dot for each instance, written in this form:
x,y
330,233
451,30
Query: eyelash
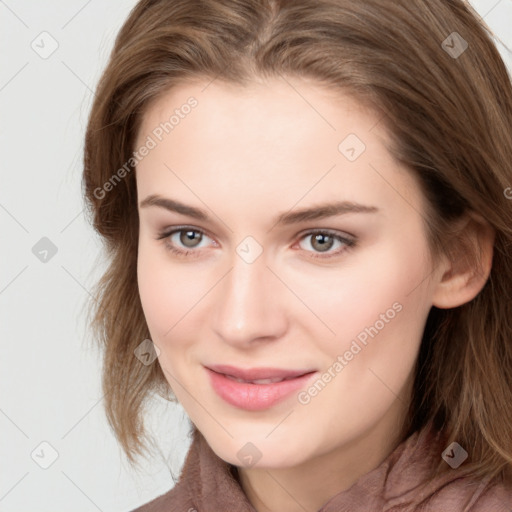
x,y
349,242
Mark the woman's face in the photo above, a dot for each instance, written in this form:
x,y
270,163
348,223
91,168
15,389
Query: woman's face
x,y
282,242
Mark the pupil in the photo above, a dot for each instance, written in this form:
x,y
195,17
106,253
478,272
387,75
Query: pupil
x,y
321,239
190,237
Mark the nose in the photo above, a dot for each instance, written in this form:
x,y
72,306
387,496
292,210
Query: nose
x,y
250,305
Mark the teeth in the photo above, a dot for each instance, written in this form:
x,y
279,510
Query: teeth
x,y
266,381
258,381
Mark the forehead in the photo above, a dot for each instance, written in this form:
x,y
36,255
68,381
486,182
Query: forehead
x,y
289,106
269,137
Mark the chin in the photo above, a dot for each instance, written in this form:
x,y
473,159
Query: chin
x,y
256,450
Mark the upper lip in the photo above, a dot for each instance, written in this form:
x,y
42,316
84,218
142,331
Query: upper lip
x,y
258,373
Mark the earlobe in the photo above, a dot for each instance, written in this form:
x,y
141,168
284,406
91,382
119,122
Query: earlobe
x,y
463,276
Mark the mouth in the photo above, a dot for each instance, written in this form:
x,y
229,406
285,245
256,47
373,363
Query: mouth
x,y
258,381
256,389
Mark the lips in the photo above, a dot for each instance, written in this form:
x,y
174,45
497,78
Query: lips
x,y
256,388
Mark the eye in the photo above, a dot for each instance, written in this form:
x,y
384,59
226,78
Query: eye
x,y
183,241
186,241
322,241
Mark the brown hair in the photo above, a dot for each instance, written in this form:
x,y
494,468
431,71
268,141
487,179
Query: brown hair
x,y
449,116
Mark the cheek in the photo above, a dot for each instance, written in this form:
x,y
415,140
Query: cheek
x,y
383,294
378,314
168,291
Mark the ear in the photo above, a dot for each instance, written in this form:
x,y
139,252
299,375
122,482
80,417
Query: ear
x,y
464,274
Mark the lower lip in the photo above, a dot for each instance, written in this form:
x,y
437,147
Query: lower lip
x,y
255,397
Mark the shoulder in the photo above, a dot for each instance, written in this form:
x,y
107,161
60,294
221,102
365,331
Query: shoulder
x,y
179,497
411,486
174,499
471,495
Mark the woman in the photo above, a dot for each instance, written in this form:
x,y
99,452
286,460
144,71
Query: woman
x,y
307,211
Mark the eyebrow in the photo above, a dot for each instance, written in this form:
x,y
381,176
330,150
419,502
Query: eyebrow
x,y
286,218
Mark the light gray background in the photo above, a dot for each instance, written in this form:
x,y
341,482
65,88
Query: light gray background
x,y
49,372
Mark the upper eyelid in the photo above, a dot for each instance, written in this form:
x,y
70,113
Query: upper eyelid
x,y
307,232
164,233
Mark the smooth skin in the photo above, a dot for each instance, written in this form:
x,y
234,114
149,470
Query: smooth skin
x,y
245,156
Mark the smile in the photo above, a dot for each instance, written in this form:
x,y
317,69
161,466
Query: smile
x,y
256,389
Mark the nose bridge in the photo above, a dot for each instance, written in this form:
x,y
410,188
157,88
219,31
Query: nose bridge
x,y
247,305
